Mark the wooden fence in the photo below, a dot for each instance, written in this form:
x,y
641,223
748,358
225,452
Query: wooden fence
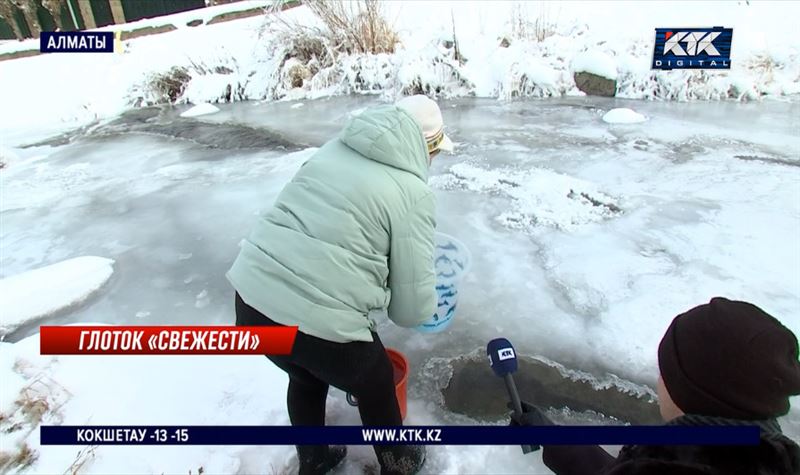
x,y
27,18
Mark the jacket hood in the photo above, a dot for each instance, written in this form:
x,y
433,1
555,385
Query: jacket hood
x,y
389,135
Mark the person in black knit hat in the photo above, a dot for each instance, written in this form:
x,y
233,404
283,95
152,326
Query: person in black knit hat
x,y
722,363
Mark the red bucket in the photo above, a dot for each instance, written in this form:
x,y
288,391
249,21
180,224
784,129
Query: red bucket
x,y
400,367
400,372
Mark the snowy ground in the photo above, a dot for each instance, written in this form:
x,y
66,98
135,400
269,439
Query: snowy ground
x,y
587,238
587,235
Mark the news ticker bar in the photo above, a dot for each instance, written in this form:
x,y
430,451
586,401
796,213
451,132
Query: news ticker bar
x,y
166,340
422,435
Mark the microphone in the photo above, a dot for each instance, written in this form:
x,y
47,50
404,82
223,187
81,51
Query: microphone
x,y
503,360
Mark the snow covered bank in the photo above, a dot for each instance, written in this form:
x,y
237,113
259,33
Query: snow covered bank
x,y
242,60
41,292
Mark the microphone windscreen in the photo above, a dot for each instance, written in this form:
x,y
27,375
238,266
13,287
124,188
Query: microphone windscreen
x,y
502,356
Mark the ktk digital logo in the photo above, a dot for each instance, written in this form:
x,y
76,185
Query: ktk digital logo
x,y
693,48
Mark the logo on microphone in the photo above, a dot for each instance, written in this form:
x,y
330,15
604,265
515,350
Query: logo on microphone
x,y
505,354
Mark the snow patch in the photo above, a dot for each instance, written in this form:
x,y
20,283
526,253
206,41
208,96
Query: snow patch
x,y
41,292
623,115
201,109
595,62
7,156
540,198
202,299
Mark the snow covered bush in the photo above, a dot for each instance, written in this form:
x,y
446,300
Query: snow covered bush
x,y
313,52
684,85
349,47
299,53
220,77
162,88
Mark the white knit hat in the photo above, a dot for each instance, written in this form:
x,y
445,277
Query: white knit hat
x,y
427,114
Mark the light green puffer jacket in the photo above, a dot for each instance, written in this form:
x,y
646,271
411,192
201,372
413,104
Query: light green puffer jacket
x,y
352,232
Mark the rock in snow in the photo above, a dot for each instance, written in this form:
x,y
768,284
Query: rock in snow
x,y
595,85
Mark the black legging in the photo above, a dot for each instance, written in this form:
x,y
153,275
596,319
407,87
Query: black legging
x,y
361,368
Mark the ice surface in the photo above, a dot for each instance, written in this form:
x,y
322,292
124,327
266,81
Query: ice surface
x,y
586,239
44,291
623,115
569,279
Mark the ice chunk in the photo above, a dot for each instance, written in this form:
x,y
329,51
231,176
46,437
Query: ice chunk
x,y
41,292
623,115
200,109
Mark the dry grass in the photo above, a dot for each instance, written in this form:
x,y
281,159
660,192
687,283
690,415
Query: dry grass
x,y
34,407
764,65
537,29
40,399
356,26
18,460
24,457
83,456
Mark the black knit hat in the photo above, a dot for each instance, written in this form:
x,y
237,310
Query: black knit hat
x,y
730,359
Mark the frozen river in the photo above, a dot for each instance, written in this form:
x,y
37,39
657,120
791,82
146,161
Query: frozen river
x,y
587,237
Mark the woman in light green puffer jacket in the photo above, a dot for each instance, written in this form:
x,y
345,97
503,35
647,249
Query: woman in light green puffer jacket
x,y
351,233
